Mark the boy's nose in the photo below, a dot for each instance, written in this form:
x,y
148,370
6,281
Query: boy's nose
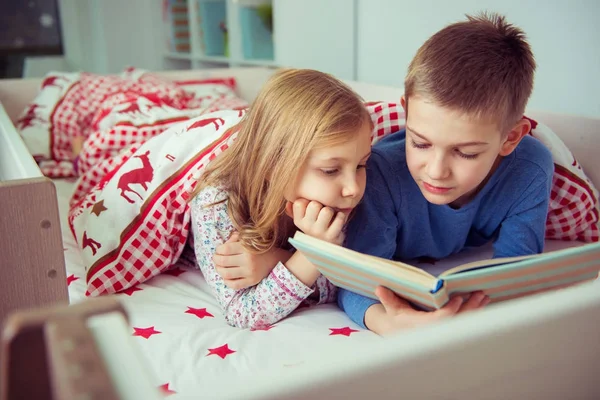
x,y
437,168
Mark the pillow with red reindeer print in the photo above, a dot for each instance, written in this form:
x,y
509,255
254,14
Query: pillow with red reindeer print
x,y
129,213
66,104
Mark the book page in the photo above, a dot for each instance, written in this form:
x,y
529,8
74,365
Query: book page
x,y
399,269
482,257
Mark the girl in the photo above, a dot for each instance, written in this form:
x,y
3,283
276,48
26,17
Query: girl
x,y
304,141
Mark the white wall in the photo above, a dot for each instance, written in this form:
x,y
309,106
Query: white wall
x,y
564,36
316,34
105,36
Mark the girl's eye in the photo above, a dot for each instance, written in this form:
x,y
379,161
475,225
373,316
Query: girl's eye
x,y
419,145
361,166
330,172
467,156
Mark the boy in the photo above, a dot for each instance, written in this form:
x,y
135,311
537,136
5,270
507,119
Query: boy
x,y
463,173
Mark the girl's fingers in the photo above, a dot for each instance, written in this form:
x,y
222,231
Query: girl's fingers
x,y
289,209
299,209
228,261
229,273
230,248
313,210
236,284
337,225
324,219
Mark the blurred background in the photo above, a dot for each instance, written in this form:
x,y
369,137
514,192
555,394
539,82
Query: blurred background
x,y
365,40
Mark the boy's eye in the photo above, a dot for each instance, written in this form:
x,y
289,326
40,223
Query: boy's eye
x,y
330,172
419,145
361,166
466,156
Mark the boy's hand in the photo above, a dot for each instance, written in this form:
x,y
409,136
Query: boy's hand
x,y
241,269
312,218
395,314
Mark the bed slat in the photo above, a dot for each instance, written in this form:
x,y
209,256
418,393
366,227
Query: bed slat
x,y
32,264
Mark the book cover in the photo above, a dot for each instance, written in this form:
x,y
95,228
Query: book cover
x,y
500,278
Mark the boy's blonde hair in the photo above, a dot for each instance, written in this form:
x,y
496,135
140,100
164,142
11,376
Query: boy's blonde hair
x,y
482,67
295,112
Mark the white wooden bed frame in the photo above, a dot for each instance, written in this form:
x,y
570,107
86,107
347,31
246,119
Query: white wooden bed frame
x,y
547,346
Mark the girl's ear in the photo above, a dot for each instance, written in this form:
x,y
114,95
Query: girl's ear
x,y
403,103
514,136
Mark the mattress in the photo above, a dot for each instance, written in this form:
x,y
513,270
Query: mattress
x,y
190,349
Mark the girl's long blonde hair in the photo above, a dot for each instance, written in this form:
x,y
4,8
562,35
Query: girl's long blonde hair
x,y
296,111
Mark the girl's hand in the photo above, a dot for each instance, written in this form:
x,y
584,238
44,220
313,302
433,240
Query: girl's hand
x,y
321,222
241,269
395,314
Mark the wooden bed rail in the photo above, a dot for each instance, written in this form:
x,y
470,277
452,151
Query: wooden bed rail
x,y
51,354
32,263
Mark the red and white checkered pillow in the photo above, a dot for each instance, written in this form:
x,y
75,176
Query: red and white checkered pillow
x,y
387,118
65,106
134,223
71,105
573,211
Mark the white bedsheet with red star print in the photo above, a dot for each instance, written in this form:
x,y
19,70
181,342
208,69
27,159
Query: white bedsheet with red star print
x,y
190,350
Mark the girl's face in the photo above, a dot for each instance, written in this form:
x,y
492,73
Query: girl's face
x,y
335,176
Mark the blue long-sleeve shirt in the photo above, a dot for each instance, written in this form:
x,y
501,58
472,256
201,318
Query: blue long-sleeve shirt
x,y
395,221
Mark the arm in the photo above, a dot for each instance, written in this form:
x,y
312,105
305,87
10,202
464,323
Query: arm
x,y
272,299
523,230
371,230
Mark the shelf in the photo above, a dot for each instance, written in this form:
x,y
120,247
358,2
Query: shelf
x,y
248,41
219,59
262,63
178,56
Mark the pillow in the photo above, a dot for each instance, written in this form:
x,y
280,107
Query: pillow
x,y
66,104
573,212
213,94
134,223
387,118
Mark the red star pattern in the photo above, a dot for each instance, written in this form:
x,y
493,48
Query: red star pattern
x,y
346,331
222,351
199,312
131,290
145,332
174,272
261,328
71,278
165,390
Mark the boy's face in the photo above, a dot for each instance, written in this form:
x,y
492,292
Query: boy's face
x,y
450,155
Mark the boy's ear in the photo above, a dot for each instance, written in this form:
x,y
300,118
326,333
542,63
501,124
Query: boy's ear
x,y
514,136
403,103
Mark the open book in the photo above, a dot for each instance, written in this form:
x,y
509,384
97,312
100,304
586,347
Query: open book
x,y
499,278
